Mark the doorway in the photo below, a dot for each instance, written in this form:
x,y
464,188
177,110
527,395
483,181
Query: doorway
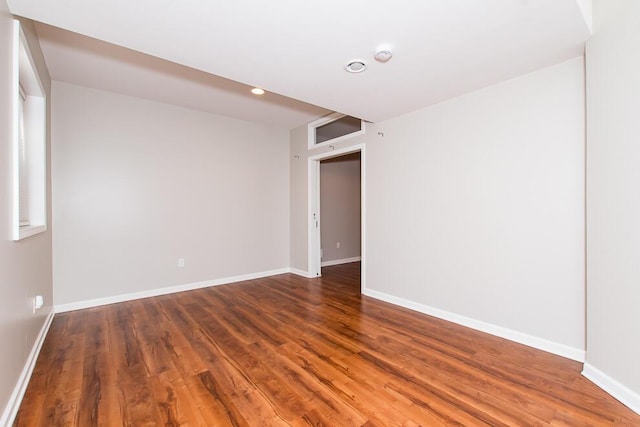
x,y
340,210
334,254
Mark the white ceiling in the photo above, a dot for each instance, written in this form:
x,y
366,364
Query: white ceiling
x,y
92,63
442,48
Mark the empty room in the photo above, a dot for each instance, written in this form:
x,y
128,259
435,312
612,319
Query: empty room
x,y
383,213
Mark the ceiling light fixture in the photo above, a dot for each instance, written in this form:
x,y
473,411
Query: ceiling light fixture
x,y
356,66
257,91
383,53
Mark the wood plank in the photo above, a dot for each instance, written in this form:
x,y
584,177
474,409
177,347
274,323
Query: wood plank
x,y
289,351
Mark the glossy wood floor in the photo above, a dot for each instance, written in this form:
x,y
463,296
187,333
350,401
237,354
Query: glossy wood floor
x,y
287,351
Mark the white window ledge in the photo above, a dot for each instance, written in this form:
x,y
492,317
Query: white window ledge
x,y
30,230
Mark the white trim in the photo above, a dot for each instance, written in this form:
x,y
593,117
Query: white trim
x,y
624,394
15,133
499,331
35,120
313,192
302,273
11,410
79,305
314,248
30,230
340,261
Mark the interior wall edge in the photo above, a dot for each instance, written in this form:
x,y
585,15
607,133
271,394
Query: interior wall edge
x,y
558,349
622,393
11,410
340,261
301,273
97,302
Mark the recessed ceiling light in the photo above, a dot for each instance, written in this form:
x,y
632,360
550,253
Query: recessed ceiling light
x,y
383,55
257,91
356,66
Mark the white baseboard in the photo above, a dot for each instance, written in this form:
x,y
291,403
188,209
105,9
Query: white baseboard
x,y
11,410
302,273
340,261
519,337
624,394
61,308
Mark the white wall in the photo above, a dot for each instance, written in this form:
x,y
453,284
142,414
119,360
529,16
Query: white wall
x,y
138,184
475,208
298,244
25,266
340,208
613,205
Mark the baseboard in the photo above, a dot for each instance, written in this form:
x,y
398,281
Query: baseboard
x,y
512,335
624,394
11,410
302,273
61,308
340,261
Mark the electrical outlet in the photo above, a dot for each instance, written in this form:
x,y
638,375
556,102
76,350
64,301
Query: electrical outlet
x,y
38,302
180,262
338,245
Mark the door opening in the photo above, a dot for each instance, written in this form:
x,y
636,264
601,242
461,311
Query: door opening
x,y
340,210
337,249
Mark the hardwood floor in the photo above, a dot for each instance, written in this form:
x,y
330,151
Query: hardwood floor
x,y
286,351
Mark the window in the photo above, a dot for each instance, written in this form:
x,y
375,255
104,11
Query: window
x,y
29,133
333,128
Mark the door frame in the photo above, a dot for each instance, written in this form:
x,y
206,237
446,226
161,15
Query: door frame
x,y
315,222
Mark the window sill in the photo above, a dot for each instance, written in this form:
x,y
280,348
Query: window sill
x,y
30,230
